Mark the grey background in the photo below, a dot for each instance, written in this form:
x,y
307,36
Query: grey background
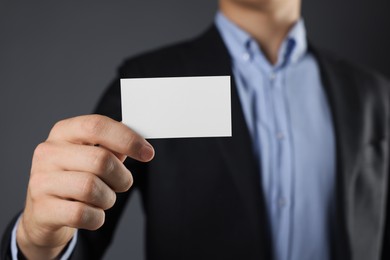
x,y
56,58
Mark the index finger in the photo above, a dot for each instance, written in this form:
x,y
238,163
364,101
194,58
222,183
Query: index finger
x,y
104,131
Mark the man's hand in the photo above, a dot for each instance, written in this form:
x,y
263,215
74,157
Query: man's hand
x,y
74,176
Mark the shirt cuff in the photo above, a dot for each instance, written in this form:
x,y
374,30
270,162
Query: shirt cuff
x,y
65,255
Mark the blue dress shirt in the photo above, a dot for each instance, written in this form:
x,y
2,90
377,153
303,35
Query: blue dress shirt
x,y
289,118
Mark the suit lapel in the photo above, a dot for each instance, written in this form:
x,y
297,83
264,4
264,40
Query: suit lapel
x,y
360,184
212,58
245,170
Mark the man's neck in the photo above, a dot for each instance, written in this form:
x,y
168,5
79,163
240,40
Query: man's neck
x,y
268,24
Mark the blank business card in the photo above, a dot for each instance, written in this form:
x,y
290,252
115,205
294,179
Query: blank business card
x,y
177,107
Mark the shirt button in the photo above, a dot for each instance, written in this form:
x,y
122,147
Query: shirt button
x,y
272,76
245,56
282,202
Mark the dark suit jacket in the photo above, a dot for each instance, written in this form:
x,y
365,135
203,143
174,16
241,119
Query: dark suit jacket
x,y
202,196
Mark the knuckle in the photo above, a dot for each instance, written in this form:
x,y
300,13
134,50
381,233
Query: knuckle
x,y
102,161
93,125
57,127
85,217
42,150
78,216
35,185
89,188
35,179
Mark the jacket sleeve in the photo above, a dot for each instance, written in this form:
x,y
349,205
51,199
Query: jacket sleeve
x,y
5,252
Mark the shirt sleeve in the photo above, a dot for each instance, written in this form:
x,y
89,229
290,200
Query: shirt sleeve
x,y
65,255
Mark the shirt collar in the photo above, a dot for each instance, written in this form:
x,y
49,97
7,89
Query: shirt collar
x,y
243,47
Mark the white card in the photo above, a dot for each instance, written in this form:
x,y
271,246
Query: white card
x,y
177,107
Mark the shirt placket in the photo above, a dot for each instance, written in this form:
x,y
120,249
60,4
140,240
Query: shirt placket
x,y
283,164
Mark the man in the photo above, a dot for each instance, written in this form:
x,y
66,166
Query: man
x,y
304,176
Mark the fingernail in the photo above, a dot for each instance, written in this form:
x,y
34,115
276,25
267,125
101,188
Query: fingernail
x,y
146,152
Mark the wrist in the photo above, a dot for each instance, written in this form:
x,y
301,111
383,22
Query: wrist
x,y
33,250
